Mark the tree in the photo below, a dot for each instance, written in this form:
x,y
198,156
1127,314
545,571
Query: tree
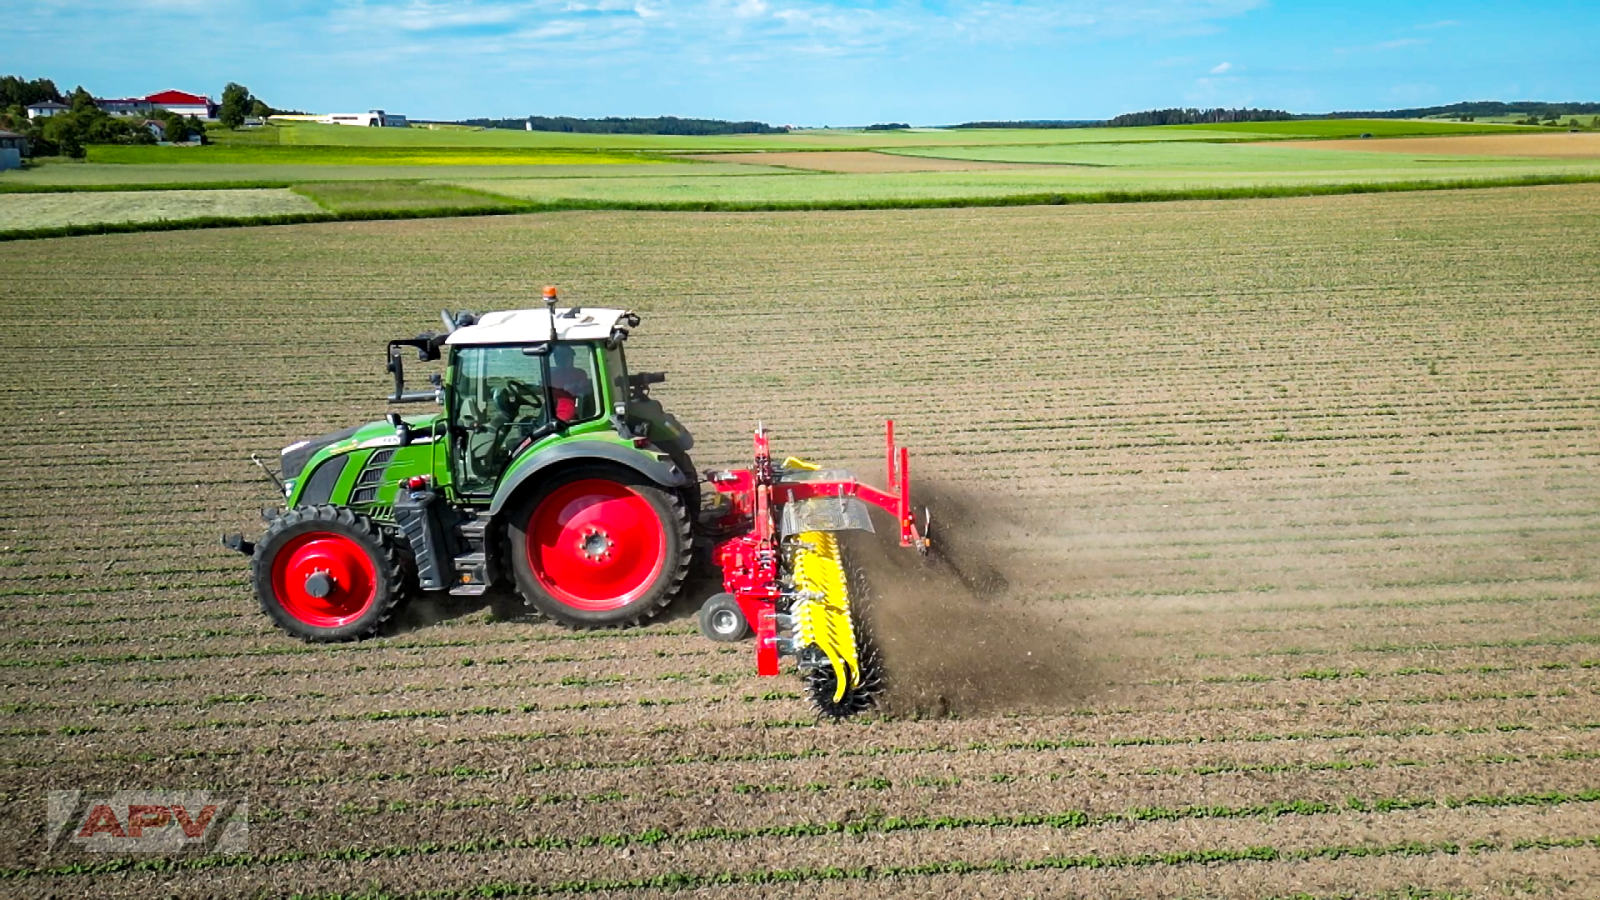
x,y
16,92
82,100
235,105
258,109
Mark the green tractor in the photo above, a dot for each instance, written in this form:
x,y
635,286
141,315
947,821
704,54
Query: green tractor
x,y
549,467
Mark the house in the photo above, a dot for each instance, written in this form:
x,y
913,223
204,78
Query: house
x,y
156,127
13,147
124,106
184,104
46,109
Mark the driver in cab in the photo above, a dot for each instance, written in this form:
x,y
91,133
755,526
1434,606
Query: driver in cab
x,y
569,385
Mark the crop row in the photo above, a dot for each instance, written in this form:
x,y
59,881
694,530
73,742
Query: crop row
x,y
372,806
1066,819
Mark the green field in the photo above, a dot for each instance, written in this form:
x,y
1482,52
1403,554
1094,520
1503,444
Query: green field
x,y
1237,159
419,171
825,139
360,155
1216,172
24,212
363,196
71,175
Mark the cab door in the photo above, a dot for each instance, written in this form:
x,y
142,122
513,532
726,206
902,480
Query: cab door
x,y
496,400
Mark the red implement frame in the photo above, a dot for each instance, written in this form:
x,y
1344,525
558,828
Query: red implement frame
x,y
750,561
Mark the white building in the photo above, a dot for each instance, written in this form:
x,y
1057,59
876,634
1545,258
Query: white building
x,y
372,118
46,109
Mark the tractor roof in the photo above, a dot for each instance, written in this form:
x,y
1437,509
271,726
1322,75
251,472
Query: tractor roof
x,y
532,326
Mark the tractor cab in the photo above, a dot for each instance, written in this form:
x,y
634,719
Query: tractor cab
x,y
507,385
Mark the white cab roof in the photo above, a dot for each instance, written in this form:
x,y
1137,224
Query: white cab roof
x,y
530,326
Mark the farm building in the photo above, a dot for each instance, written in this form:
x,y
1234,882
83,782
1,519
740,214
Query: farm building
x,y
372,118
13,147
123,106
184,104
46,109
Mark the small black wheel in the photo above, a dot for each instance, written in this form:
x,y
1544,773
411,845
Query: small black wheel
x,y
722,620
325,574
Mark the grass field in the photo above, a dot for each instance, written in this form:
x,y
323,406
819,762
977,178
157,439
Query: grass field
x,y
359,155
823,139
1297,501
825,189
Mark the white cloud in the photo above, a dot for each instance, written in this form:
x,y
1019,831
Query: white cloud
x,y
1221,68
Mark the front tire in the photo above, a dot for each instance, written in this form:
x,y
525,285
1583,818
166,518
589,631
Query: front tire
x,y
598,545
325,574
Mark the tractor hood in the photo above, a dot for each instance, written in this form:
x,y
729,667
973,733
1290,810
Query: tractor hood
x,y
373,434
296,455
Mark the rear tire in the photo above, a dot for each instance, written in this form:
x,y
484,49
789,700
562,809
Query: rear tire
x,y
599,545
325,574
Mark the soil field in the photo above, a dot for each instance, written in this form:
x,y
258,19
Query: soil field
x,y
1279,521
1572,145
853,162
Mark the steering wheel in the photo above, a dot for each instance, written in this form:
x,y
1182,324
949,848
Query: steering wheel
x,y
514,396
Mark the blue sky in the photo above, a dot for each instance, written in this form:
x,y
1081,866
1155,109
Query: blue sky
x,y
811,62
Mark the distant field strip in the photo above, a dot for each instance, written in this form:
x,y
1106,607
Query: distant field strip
x,y
358,155
31,211
852,161
1025,186
1583,145
343,136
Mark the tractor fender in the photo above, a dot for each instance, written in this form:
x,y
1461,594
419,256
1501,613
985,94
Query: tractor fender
x,y
652,464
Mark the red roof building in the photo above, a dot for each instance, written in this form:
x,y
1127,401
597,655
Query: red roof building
x,y
184,103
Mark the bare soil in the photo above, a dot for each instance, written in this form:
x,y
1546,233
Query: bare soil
x,y
1257,524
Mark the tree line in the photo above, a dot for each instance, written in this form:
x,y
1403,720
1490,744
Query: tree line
x,y
1533,109
628,125
1182,116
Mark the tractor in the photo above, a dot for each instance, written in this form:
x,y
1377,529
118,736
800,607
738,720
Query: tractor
x,y
549,469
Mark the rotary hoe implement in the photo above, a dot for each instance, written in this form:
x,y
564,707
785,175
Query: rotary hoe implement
x,y
549,471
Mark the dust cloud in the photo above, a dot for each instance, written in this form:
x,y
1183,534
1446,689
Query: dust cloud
x,y
956,633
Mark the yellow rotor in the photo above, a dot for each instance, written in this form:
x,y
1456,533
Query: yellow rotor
x,y
822,616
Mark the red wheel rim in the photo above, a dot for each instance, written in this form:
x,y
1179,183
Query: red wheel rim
x,y
596,545
348,579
